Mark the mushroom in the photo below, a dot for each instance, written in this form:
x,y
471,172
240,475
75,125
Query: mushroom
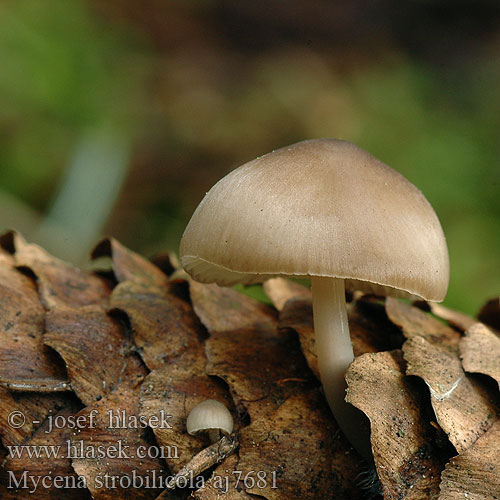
x,y
327,210
211,417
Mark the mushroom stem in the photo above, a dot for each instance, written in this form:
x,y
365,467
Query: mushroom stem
x,y
335,354
214,435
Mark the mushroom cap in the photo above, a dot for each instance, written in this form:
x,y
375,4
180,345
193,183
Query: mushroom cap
x,y
207,415
322,207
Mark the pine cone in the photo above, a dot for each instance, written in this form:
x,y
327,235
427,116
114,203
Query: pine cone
x,y
99,370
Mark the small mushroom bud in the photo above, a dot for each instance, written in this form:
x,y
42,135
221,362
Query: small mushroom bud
x,y
211,417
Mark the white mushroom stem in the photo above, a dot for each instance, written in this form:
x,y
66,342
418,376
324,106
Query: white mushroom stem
x,y
335,354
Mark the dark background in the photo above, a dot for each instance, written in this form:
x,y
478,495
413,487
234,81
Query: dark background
x,y
117,116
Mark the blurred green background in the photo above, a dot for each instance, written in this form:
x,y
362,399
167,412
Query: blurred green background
x,y
117,116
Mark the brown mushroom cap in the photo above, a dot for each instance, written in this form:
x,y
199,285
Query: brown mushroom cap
x,y
322,207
